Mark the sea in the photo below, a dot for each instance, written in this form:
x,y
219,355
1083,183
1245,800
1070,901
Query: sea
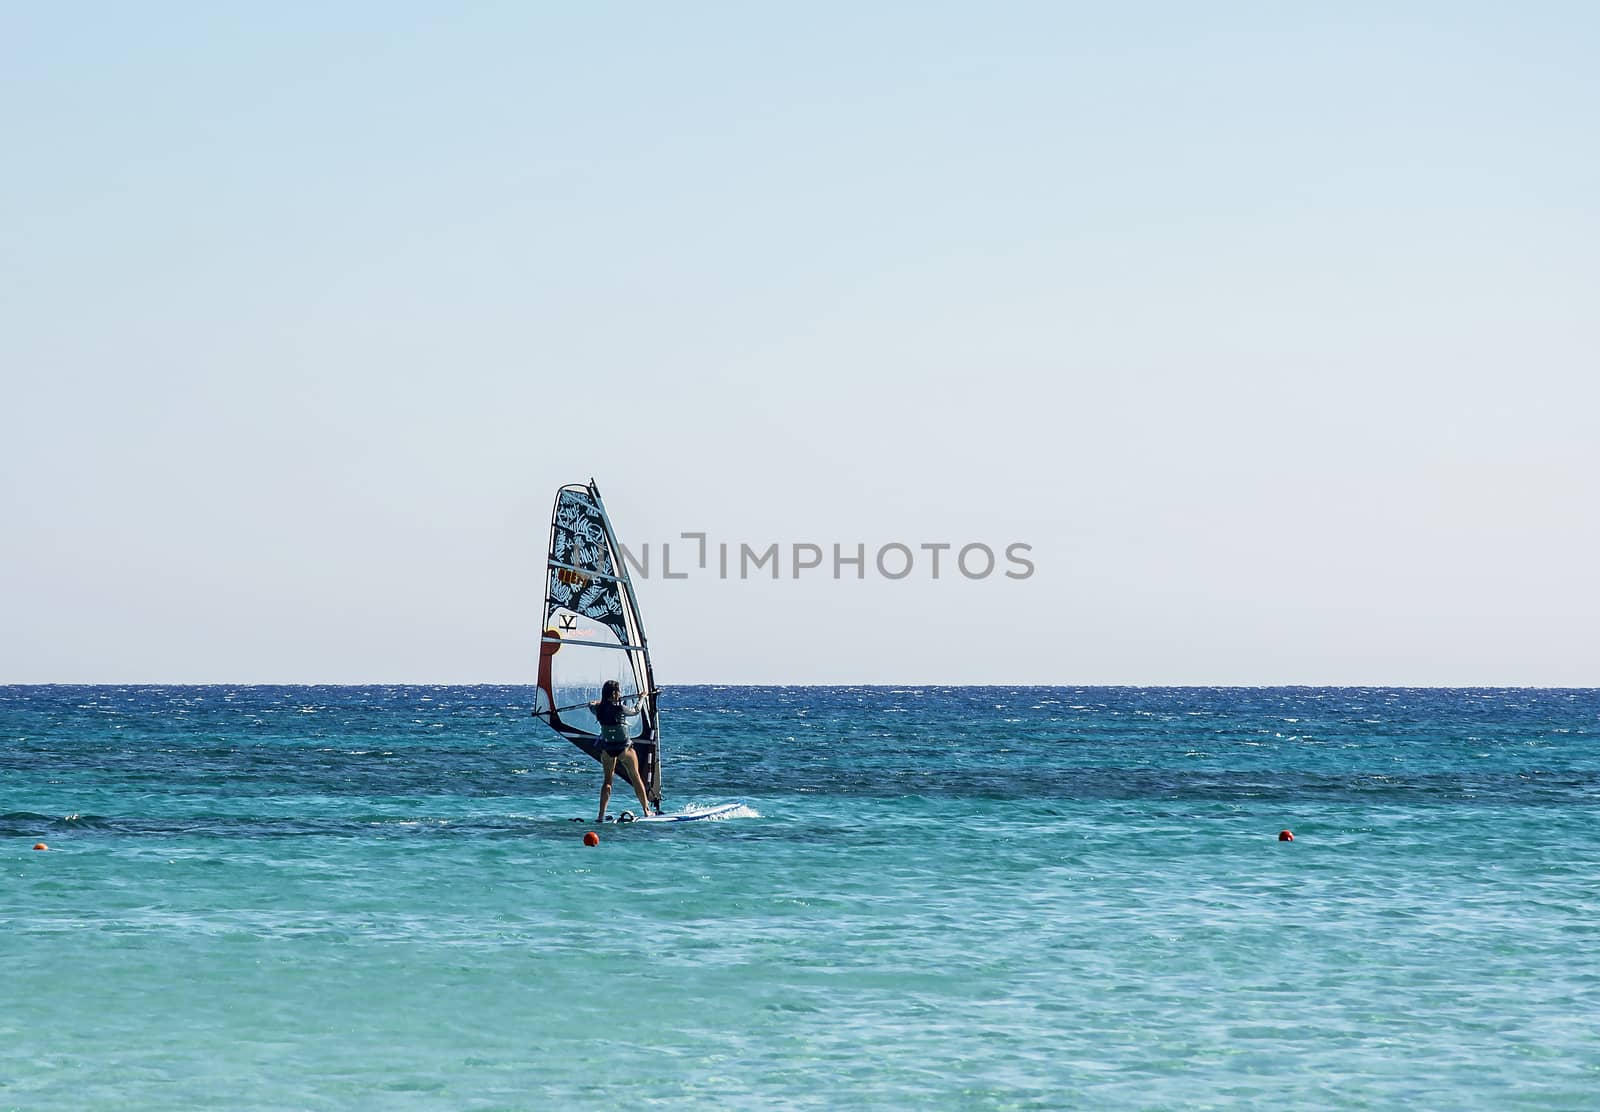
x,y
934,897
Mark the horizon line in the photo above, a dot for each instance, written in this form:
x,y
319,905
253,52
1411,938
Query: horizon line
x,y
871,684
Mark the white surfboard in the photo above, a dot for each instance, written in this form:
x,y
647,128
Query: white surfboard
x,y
719,811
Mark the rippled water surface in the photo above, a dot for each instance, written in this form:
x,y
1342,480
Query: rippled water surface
x,y
333,897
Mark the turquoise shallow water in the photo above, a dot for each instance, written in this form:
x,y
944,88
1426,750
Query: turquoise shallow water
x,y
333,898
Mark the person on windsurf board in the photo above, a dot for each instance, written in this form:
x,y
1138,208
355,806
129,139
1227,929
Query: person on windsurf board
x,y
615,745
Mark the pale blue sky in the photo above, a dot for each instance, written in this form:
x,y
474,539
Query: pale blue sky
x,y
1270,327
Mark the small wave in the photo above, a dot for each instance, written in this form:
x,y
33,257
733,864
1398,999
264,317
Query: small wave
x,y
15,822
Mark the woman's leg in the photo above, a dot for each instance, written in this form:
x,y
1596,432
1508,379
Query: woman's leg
x,y
630,769
608,765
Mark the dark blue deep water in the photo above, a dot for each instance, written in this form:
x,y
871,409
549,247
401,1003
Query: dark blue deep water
x,y
375,897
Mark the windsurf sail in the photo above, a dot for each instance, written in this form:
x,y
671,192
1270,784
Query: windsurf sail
x,y
591,633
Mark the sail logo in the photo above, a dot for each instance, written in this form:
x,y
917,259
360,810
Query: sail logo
x,y
892,561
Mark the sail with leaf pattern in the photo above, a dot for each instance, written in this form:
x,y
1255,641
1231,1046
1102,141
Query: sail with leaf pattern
x,y
591,632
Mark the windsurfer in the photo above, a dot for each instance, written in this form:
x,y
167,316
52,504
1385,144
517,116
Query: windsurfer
x,y
615,745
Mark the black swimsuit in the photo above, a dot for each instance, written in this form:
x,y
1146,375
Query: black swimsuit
x,y
614,740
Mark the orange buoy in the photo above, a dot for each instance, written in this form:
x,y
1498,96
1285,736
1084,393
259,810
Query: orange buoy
x,y
40,845
1286,835
591,839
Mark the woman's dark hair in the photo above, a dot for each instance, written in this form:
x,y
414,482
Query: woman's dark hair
x,y
608,687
